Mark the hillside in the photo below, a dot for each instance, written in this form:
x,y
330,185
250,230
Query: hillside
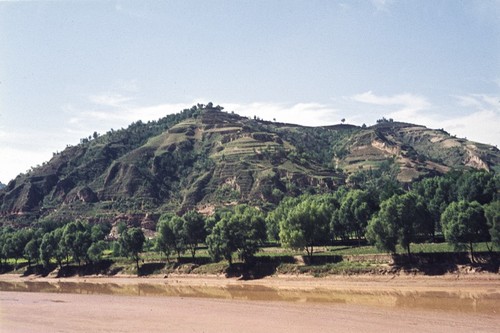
x,y
417,150
205,158
2,186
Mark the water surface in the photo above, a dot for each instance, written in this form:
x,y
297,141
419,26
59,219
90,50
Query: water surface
x,y
459,301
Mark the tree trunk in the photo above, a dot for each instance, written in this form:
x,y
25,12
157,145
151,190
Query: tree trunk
x,y
408,251
471,253
193,251
310,253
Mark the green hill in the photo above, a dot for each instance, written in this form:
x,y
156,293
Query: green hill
x,y
205,158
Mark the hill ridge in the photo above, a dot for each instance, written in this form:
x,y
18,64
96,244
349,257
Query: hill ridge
x,y
204,157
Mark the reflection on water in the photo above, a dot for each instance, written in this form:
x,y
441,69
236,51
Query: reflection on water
x,y
488,303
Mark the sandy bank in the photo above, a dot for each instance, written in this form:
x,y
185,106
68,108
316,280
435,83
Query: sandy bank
x,y
47,312
483,282
196,303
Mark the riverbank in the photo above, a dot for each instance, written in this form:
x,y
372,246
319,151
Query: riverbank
x,y
404,282
280,303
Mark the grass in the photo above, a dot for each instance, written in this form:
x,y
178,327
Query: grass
x,y
269,260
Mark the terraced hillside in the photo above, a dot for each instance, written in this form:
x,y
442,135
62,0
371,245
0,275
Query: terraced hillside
x,y
205,158
417,150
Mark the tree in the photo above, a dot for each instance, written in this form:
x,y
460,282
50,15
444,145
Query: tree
x,y
492,214
177,239
382,229
381,183
355,210
14,244
32,251
274,218
399,221
464,224
164,238
193,230
52,246
241,231
77,239
131,242
99,231
480,186
32,247
94,252
307,224
438,192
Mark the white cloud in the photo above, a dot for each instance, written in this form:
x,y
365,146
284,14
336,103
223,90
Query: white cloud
x,y
110,100
402,105
307,114
20,150
480,121
477,118
381,5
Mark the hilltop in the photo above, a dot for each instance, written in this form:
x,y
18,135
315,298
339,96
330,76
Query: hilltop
x,y
205,158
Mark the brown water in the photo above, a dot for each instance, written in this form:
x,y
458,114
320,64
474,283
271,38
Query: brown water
x,y
466,302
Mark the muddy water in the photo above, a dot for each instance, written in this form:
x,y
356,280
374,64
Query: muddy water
x,y
466,302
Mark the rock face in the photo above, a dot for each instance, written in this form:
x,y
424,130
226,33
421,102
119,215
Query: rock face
x,y
203,157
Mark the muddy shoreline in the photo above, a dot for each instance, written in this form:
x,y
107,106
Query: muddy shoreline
x,y
182,303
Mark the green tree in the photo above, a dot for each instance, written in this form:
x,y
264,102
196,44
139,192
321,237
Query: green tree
x,y
280,213
193,230
14,244
32,251
178,239
77,239
354,213
95,251
52,246
477,185
464,224
131,242
438,192
399,221
492,214
241,231
306,225
99,231
165,238
32,247
381,183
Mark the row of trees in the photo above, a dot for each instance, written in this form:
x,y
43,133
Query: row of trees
x,y
462,207
78,241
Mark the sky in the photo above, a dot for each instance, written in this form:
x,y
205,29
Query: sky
x,y
69,68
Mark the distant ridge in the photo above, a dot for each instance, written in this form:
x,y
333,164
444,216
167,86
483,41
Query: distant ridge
x,y
204,157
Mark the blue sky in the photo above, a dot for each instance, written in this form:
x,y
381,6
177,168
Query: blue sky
x,y
69,68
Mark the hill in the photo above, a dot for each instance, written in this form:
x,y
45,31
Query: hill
x,y
2,186
205,158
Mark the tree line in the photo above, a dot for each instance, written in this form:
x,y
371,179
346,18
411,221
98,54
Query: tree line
x,y
462,207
